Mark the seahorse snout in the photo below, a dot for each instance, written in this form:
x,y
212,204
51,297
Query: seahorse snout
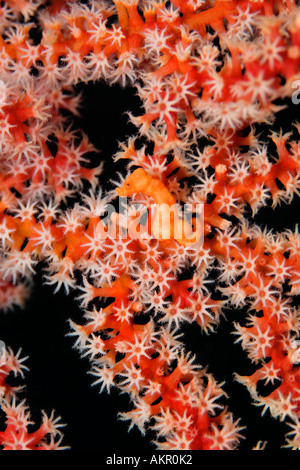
x,y
121,191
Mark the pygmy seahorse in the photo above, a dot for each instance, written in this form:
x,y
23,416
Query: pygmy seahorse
x,y
166,222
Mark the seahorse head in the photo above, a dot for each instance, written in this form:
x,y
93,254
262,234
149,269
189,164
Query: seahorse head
x,y
137,182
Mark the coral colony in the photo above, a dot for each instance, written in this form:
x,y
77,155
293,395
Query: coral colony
x,y
212,76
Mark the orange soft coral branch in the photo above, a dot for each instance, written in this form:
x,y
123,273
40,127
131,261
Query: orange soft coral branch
x,y
16,434
212,16
138,344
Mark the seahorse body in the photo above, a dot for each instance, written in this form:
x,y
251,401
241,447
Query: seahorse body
x,y
166,224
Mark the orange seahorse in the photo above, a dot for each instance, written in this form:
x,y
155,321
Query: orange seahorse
x,y
166,223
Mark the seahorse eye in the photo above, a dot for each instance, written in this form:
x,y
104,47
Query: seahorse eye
x,y
128,184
